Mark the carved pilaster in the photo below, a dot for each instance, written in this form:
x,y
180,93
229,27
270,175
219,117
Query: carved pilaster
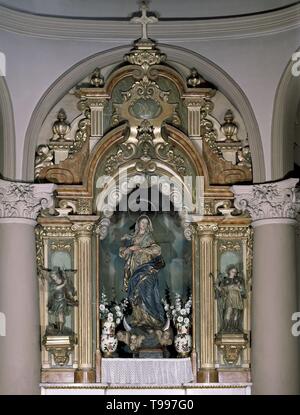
x,y
97,129
194,118
206,234
83,232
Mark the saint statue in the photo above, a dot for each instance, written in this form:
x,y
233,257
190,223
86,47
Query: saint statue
x,y
230,293
143,261
61,297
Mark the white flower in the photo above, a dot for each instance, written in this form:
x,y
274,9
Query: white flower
x,y
186,321
118,321
117,308
173,312
110,318
180,319
183,312
110,315
166,307
187,311
119,314
102,307
177,308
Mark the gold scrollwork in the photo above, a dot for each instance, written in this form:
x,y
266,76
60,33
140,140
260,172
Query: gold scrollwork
x,y
61,246
249,255
231,353
229,246
39,234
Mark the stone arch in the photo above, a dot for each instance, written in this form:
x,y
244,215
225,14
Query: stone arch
x,y
284,117
210,71
7,133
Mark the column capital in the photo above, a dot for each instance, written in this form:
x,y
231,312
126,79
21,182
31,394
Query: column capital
x,y
207,228
24,200
83,228
268,201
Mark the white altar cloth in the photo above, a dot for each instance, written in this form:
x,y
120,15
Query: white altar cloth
x,y
183,390
147,371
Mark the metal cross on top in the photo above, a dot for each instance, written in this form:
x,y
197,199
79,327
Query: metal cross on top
x,y
144,20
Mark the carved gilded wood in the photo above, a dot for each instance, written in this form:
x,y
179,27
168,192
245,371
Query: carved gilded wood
x,y
160,122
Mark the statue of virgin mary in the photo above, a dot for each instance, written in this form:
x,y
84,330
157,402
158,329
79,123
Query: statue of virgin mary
x,y
143,261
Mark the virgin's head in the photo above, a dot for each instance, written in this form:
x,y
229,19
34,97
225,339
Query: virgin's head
x,y
143,224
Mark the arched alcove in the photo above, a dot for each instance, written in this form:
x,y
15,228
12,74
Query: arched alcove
x,y
285,117
7,132
210,71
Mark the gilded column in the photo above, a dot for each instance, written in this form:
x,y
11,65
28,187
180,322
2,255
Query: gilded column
x,y
275,351
207,372
20,355
85,372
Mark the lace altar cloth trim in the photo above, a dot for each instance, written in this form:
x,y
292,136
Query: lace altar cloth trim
x,y
147,371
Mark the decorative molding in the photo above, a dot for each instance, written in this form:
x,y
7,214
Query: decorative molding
x,y
24,200
274,221
21,221
267,201
52,27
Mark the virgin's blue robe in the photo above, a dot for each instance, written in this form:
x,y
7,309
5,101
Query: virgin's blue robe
x,y
143,289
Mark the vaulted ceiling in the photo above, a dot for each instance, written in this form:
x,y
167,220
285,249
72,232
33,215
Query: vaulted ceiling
x,y
165,9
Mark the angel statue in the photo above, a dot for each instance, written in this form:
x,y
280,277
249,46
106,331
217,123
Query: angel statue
x,y
61,296
230,293
143,261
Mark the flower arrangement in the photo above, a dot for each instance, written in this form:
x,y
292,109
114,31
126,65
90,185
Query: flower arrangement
x,y
180,313
112,312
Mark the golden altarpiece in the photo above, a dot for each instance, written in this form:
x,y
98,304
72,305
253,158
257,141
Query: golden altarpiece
x,y
119,128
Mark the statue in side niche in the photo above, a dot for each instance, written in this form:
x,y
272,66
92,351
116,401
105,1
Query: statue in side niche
x,y
230,293
61,299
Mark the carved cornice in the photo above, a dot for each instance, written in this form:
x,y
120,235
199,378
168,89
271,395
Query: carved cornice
x,y
267,201
53,27
24,200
